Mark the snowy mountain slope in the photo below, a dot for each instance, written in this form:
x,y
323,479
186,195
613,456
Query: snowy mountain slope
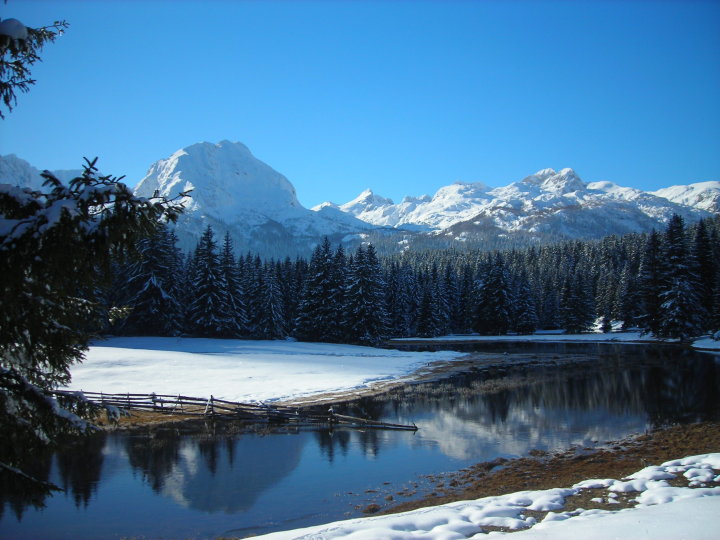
x,y
234,191
545,204
19,172
703,195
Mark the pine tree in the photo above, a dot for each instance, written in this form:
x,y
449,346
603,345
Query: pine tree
x,y
577,308
365,317
681,311
466,302
397,302
705,271
272,324
315,314
628,300
495,302
336,330
154,307
209,314
524,319
606,298
234,300
650,282
52,243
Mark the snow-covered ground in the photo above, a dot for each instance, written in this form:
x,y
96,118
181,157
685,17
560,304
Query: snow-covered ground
x,y
661,512
239,370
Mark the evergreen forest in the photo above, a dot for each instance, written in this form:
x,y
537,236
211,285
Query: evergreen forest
x,y
665,283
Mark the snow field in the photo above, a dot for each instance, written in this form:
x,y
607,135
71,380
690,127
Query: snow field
x,y
662,512
238,370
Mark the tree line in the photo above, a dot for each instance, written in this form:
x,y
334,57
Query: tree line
x,y
666,283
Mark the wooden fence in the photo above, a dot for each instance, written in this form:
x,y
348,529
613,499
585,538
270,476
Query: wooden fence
x,y
220,408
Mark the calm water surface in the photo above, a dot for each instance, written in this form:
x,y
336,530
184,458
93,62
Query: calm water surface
x,y
218,483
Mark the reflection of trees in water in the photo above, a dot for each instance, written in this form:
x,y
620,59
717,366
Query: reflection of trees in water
x,y
215,472
329,439
17,494
154,455
209,449
665,385
79,466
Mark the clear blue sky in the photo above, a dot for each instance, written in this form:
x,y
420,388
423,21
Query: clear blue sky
x,y
402,97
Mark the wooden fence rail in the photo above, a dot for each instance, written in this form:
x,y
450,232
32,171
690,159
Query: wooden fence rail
x,y
220,408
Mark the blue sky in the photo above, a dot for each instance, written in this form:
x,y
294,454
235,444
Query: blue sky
x,y
402,97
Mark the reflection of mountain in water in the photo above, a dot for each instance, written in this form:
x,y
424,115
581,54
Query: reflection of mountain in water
x,y
508,409
215,474
473,416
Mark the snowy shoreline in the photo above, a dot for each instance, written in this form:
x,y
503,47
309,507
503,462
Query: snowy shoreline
x,y
661,511
272,371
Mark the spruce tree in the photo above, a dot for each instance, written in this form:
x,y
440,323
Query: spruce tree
x,y
234,300
495,302
427,319
577,308
154,307
272,325
704,270
52,243
315,314
650,282
209,313
365,317
681,311
524,319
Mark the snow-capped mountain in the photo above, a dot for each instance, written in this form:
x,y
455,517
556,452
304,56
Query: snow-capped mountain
x,y
547,204
234,191
703,195
19,172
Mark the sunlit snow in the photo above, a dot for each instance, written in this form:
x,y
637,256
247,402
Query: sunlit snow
x,y
239,370
661,512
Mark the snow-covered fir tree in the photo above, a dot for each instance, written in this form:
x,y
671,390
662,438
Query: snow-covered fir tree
x,y
494,300
234,294
681,309
154,309
208,313
316,316
365,316
52,243
524,318
272,321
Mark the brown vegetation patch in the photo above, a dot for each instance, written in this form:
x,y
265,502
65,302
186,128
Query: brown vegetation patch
x,y
617,460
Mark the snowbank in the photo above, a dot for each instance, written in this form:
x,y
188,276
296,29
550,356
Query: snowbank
x,y
661,512
239,370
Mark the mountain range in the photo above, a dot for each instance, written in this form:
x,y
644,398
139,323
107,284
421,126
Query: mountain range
x,y
235,192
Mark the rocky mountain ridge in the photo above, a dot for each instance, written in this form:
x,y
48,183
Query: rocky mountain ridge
x,y
236,193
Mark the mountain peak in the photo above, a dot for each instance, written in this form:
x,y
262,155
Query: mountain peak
x,y
367,200
565,181
226,177
539,177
